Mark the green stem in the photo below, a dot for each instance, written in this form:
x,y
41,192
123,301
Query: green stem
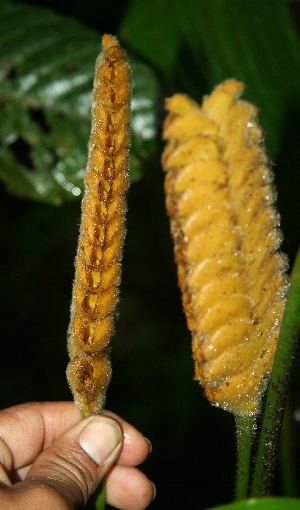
x,y
245,426
278,389
288,478
100,502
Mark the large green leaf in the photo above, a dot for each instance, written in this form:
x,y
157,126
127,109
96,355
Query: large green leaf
x,y
207,42
46,77
263,504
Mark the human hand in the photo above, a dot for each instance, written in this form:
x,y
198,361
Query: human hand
x,y
51,458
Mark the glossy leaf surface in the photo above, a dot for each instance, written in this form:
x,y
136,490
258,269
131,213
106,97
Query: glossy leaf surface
x,y
46,77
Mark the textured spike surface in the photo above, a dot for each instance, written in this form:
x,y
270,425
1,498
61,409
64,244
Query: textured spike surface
x,y
220,200
98,261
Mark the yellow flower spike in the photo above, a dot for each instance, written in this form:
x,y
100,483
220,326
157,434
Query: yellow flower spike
x,y
219,198
98,260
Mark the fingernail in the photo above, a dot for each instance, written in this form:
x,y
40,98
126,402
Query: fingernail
x,y
100,438
149,443
154,491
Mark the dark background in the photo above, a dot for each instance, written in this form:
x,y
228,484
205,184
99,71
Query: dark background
x,y
193,457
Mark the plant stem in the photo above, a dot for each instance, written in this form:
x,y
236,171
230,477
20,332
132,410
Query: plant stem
x,y
101,497
278,389
288,478
245,426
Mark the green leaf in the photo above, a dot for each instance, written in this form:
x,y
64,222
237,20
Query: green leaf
x,y
144,141
208,42
158,41
263,504
46,78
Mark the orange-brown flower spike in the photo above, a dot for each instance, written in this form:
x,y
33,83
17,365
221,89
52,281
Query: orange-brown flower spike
x,y
98,261
219,197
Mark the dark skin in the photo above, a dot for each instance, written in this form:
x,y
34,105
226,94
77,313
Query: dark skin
x,y
51,458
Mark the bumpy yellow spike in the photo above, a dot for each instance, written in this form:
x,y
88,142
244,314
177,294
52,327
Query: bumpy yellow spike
x,y
98,261
220,197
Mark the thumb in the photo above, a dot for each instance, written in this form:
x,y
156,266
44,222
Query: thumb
x,y
66,474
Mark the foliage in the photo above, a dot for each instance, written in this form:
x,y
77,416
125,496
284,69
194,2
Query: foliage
x,y
46,69
46,83
263,504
